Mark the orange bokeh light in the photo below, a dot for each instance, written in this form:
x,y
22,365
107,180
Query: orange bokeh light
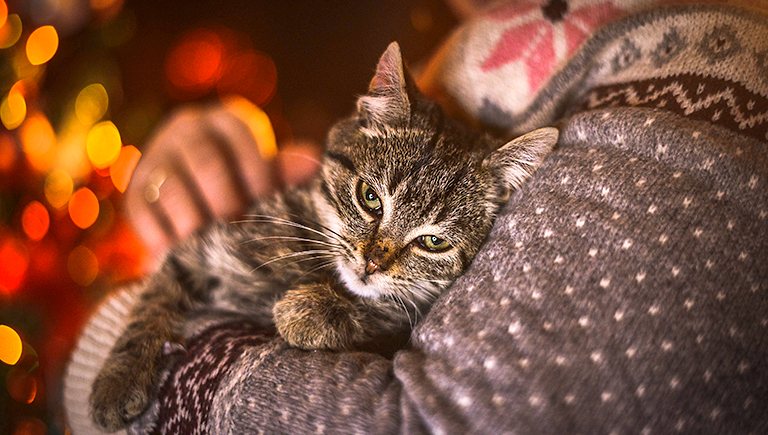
x,y
194,65
35,220
83,266
14,261
3,13
83,207
42,45
257,122
121,171
10,345
38,141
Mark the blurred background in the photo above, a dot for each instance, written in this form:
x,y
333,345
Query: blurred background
x,y
82,85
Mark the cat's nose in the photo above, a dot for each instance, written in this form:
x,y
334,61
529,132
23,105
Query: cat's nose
x,y
371,267
379,256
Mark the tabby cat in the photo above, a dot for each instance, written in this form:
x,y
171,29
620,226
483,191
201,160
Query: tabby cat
x,y
404,201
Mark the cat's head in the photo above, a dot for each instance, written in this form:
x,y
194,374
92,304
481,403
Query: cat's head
x,y
414,193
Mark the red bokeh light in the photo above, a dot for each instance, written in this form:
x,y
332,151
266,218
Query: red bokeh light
x,y
251,74
35,220
194,65
14,260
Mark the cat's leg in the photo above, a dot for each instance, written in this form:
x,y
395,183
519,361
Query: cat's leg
x,y
122,389
315,316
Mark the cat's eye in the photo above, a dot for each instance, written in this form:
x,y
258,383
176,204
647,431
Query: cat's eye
x,y
433,243
368,198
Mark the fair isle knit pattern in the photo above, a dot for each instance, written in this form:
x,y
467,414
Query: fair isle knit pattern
x,y
624,289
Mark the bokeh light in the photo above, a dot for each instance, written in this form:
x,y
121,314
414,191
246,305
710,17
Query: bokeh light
x,y
194,65
121,171
7,152
91,103
82,265
251,74
10,345
3,13
11,31
258,123
14,261
42,45
31,426
83,207
38,140
13,109
103,144
35,220
58,188
21,385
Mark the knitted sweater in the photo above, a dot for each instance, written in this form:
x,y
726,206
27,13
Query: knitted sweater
x,y
623,289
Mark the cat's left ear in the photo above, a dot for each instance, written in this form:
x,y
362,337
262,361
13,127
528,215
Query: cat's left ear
x,y
517,160
390,92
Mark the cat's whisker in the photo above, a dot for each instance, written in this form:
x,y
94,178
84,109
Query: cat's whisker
x,y
321,266
319,252
259,218
295,239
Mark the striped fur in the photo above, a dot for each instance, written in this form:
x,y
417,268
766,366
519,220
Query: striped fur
x,y
301,260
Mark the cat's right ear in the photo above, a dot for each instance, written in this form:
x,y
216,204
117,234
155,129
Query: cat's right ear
x,y
388,100
518,159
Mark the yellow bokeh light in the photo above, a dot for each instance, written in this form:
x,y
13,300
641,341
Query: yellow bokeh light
x,y
258,123
42,45
91,103
11,31
58,188
38,140
10,345
13,109
103,144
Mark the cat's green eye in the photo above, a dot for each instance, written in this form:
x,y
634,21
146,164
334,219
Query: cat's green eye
x,y
368,198
433,243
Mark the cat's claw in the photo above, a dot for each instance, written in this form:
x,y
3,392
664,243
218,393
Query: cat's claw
x,y
315,317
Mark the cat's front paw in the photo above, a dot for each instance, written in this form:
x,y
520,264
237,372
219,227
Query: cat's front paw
x,y
122,389
316,317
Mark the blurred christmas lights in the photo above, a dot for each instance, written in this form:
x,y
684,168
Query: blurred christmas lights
x,y
120,172
35,220
103,144
14,260
91,103
10,345
83,207
13,109
10,32
258,123
83,265
42,45
38,141
58,188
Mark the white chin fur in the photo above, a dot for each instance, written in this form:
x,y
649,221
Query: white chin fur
x,y
371,289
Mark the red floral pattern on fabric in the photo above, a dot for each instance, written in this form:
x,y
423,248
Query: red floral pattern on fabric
x,y
533,39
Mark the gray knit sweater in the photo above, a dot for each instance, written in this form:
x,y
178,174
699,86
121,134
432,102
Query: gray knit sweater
x,y
624,289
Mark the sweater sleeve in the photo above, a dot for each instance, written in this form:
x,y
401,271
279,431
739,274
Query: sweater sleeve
x,y
622,289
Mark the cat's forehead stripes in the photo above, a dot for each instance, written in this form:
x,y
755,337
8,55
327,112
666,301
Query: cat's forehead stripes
x,y
342,160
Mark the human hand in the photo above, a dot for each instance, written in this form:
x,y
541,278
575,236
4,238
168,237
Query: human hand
x,y
209,162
